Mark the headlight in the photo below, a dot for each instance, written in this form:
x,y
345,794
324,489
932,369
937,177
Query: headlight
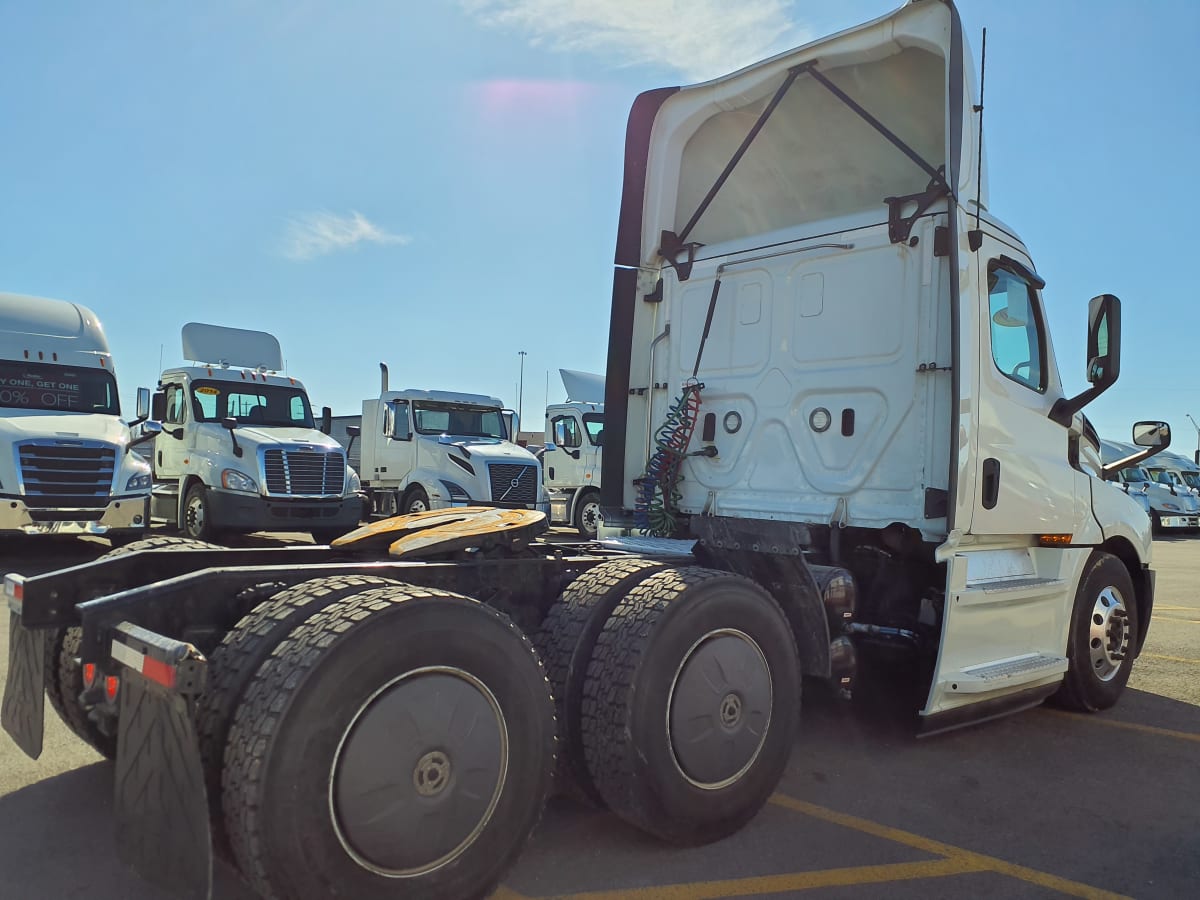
x,y
353,482
233,480
139,482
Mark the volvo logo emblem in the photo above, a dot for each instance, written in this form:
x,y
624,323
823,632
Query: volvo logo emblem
x,y
515,481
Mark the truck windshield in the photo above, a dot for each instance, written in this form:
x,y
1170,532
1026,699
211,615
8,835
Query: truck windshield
x,y
459,418
259,404
26,385
1192,479
1134,475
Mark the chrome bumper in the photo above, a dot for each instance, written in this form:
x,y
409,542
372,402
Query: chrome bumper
x,y
126,514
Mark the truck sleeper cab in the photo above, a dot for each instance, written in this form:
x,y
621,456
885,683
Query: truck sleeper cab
x,y
240,449
66,459
423,450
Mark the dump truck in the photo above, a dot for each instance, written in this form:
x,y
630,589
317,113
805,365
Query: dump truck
x,y
834,427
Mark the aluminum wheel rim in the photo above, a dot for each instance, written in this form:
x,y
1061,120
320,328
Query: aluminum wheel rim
x,y
447,738
1108,634
719,709
194,515
417,505
590,517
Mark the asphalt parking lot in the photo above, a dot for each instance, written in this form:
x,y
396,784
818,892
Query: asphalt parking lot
x,y
1040,804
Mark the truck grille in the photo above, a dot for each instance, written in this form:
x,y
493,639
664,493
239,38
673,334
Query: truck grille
x,y
304,473
66,474
513,482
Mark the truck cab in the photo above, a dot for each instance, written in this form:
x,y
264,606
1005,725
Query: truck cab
x,y
428,449
1170,507
240,449
825,343
571,460
67,464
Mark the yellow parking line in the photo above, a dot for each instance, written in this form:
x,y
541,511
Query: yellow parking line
x,y
778,884
1158,607
1176,619
1183,659
978,861
1130,726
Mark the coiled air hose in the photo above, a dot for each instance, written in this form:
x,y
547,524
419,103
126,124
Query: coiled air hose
x,y
658,497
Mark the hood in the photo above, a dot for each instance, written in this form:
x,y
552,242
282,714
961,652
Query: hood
x,y
253,436
487,449
21,425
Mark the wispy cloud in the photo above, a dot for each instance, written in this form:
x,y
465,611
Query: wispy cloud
x,y
698,38
317,233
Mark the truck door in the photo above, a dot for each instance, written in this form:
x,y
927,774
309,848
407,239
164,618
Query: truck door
x,y
593,426
170,447
564,465
1024,483
398,456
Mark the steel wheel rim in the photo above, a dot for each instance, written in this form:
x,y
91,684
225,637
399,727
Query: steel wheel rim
x,y
417,505
1108,634
450,773
590,517
719,709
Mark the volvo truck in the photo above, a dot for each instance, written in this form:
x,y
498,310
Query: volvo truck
x,y
571,459
240,449
834,427
430,449
67,464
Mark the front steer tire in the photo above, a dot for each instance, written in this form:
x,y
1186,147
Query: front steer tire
x,y
1103,638
64,672
344,775
712,656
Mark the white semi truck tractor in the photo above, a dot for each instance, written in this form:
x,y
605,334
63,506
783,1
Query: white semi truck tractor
x,y
429,449
834,427
66,460
240,450
573,446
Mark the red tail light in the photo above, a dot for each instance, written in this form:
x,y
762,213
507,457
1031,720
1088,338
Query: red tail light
x,y
89,675
111,685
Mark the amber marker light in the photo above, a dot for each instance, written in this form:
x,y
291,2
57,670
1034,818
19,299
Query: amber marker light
x,y
1055,540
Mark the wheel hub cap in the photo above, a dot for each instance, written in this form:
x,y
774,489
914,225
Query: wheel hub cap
x,y
720,709
419,772
1108,636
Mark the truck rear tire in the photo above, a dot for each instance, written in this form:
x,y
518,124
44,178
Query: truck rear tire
x,y
345,776
64,672
587,514
236,660
1103,636
711,656
565,641
197,518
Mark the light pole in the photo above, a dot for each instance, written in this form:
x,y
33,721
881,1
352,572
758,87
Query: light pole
x,y
521,391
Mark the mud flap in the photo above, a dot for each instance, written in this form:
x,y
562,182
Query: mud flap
x,y
22,714
159,799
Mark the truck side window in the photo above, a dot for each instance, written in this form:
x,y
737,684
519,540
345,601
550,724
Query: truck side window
x,y
594,425
566,432
175,397
1018,339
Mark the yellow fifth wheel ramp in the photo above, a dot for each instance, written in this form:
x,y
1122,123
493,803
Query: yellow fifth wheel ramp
x,y
445,530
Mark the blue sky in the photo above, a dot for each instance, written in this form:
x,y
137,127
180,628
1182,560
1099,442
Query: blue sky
x,y
436,184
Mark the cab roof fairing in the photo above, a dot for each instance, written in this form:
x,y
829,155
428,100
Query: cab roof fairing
x,y
932,26
414,394
234,376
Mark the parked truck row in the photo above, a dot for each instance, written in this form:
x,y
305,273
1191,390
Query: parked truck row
x,y
834,430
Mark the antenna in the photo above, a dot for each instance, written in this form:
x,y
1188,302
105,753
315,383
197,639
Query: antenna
x,y
979,154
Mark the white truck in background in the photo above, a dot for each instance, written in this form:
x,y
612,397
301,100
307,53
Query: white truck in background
x,y
423,450
572,454
1170,508
66,459
239,449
